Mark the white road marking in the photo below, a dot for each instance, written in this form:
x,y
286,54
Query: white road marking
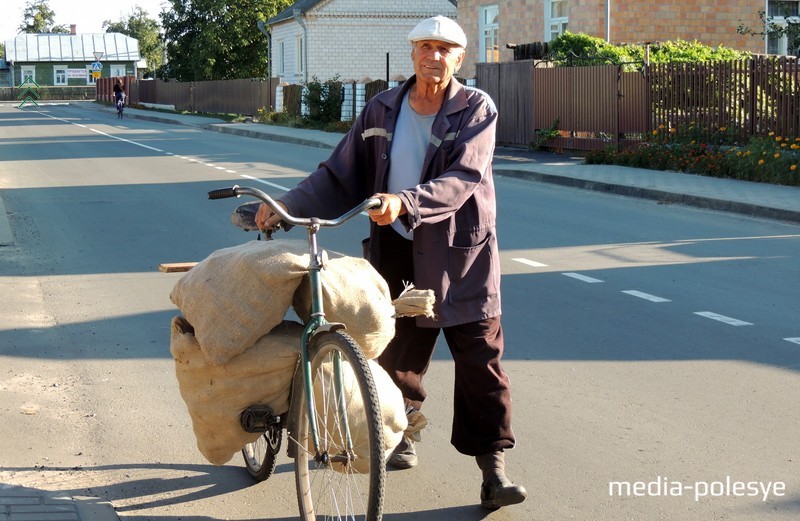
x,y
723,318
530,263
795,340
646,296
584,278
273,185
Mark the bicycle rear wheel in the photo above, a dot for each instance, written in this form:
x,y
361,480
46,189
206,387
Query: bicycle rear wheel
x,y
337,483
260,457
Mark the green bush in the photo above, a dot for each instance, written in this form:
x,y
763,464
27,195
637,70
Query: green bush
x,y
324,102
581,49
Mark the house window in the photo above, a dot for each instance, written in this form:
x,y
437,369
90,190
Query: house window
x,y
28,72
299,57
489,28
556,18
59,75
90,80
282,57
780,15
117,69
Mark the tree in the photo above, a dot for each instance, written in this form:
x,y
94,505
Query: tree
x,y
217,39
39,18
146,30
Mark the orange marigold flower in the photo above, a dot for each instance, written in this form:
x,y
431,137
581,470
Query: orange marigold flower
x,y
777,155
793,167
778,139
760,161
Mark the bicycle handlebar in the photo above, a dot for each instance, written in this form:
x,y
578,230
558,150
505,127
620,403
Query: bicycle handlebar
x,y
238,191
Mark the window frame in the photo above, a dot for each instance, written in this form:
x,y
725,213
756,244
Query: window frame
x,y
60,72
780,46
487,31
555,26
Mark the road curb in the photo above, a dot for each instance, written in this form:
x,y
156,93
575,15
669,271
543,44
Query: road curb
x,y
227,129
19,503
663,196
6,237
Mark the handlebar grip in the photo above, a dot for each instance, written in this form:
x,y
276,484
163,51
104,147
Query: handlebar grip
x,y
223,193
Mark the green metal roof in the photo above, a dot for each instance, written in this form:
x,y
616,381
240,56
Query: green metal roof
x,y
50,47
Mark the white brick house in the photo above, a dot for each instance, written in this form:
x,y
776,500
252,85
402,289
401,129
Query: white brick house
x,y
348,38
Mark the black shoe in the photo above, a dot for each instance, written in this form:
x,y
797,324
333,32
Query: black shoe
x,y
497,493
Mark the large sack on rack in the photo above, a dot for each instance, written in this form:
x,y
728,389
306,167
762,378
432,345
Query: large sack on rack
x,y
392,411
236,295
358,297
216,395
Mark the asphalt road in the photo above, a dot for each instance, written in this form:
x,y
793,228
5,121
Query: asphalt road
x,y
653,349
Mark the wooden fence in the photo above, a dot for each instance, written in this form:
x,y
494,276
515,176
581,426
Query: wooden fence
x,y
590,108
244,96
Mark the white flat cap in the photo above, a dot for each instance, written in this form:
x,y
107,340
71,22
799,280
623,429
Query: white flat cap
x,y
439,28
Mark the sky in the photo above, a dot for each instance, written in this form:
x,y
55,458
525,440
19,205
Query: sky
x,y
88,15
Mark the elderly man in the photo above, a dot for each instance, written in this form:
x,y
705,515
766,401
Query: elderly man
x,y
425,148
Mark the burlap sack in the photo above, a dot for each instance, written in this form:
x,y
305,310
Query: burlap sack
x,y
216,395
392,411
358,297
236,295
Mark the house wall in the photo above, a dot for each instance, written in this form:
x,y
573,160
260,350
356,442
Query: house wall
x,y
45,72
632,21
350,38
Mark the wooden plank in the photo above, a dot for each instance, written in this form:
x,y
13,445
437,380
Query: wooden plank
x,y
174,267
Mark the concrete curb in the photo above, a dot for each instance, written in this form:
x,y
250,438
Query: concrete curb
x,y
227,129
26,504
664,197
6,237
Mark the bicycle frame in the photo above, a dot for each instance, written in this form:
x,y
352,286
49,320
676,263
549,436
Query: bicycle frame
x,y
316,322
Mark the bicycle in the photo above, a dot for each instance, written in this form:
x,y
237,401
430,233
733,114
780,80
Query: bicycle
x,y
319,430
120,104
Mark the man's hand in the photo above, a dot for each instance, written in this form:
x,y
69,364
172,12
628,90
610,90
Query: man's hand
x,y
266,219
390,209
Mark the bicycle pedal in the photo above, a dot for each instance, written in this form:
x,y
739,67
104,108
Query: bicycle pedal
x,y
258,418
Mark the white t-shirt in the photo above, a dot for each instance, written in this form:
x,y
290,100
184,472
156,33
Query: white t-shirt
x,y
412,135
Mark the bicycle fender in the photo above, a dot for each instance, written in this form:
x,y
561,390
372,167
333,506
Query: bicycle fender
x,y
328,327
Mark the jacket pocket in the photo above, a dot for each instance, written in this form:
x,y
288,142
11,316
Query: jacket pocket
x,y
470,271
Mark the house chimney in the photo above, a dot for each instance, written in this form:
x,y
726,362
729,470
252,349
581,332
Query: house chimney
x,y
73,29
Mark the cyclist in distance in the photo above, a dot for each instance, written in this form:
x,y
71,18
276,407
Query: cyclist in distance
x,y
425,148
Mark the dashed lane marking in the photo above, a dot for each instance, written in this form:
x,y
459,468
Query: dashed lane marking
x,y
795,340
530,263
723,318
646,296
584,278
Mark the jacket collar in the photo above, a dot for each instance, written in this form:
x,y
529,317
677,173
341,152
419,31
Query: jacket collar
x,y
455,98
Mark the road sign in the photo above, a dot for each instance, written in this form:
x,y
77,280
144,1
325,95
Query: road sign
x,y
97,67
95,74
28,92
98,55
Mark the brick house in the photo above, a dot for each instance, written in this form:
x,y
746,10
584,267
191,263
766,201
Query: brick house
x,y
51,59
349,38
490,25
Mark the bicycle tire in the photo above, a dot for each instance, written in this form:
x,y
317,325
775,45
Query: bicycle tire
x,y
261,456
329,488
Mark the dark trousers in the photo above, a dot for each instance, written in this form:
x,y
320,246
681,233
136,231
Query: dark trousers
x,y
482,394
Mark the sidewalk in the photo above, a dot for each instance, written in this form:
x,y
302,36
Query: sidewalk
x,y
729,195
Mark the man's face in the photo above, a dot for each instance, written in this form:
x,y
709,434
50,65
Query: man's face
x,y
435,62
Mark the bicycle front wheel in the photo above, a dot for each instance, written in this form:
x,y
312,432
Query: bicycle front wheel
x,y
340,480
